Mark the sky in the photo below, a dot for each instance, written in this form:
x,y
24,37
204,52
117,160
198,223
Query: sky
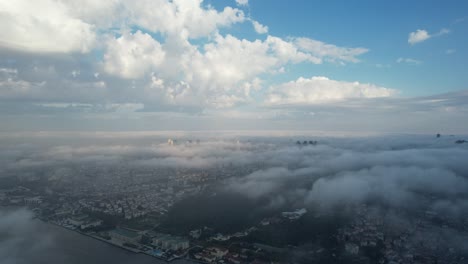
x,y
117,65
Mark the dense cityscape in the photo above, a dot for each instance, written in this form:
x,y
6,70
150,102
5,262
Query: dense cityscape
x,y
185,213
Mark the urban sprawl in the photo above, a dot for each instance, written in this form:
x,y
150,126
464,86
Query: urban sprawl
x,y
125,207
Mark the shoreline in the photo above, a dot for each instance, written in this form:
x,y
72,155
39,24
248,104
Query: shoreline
x,y
134,251
104,241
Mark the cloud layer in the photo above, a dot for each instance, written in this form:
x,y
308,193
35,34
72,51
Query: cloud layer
x,y
164,53
24,27
399,171
162,64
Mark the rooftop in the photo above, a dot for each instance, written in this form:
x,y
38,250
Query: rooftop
x,y
125,232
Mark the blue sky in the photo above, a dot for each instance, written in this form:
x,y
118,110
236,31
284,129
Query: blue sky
x,y
383,27
227,64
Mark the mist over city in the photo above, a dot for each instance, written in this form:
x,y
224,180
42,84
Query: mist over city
x,y
308,197
233,131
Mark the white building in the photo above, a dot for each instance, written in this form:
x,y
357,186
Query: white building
x,y
168,242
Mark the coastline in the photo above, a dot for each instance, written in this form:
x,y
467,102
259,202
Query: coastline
x,y
133,251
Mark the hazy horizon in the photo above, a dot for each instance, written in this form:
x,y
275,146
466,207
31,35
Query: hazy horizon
x,y
233,131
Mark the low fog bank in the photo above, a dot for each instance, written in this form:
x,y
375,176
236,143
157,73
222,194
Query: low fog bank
x,y
413,173
399,178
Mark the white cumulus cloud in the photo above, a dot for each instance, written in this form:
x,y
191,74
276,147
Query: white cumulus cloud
x,y
418,36
421,35
319,89
259,28
184,18
178,57
132,55
43,26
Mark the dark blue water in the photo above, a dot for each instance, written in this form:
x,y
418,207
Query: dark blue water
x,y
28,241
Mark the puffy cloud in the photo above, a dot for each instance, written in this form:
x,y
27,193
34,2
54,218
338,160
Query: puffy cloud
x,y
221,74
69,26
181,17
231,61
418,36
43,26
224,72
289,51
177,59
184,18
318,90
228,63
259,28
421,35
132,55
102,14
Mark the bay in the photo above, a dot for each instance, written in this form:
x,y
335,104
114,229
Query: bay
x,y
25,241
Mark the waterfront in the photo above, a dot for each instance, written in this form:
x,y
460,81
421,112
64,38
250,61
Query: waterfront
x,y
44,243
333,211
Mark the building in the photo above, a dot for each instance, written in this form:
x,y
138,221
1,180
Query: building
x,y
33,201
125,235
195,234
91,224
211,254
352,248
218,252
78,220
168,242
